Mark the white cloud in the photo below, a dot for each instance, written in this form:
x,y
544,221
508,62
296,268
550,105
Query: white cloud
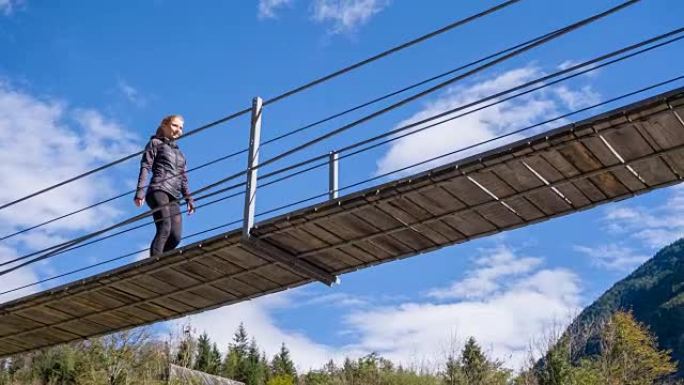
x,y
473,128
43,142
8,6
16,278
484,281
613,256
527,301
268,8
346,15
131,93
576,99
504,321
571,63
260,323
655,226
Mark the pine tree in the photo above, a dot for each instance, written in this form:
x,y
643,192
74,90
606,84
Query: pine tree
x,y
453,373
214,361
256,370
556,367
235,363
282,363
203,357
186,349
474,363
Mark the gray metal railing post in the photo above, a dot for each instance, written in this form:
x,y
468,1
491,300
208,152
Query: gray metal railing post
x,y
252,162
333,175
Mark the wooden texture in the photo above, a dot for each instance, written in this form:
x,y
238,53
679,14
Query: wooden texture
x,y
612,156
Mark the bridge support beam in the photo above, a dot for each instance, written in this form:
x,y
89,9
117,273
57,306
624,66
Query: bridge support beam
x,y
252,163
299,266
333,175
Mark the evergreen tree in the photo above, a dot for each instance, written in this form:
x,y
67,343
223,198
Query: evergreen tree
x,y
556,368
453,373
203,356
214,361
474,363
282,363
235,363
186,350
256,370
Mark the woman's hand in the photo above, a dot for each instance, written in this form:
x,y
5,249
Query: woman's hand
x,y
138,202
191,206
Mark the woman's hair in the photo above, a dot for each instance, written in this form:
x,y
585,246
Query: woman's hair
x,y
164,122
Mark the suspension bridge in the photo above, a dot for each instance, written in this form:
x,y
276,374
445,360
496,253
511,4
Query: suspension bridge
x,y
612,156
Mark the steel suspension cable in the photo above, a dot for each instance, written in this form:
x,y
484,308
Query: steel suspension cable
x,y
279,97
450,81
543,81
66,245
384,175
287,134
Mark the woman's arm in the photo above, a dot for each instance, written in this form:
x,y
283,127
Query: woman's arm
x,y
185,190
145,167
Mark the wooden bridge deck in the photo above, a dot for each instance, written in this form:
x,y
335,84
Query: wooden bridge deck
x,y
610,157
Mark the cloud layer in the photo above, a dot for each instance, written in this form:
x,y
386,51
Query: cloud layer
x,y
342,16
42,142
482,125
486,304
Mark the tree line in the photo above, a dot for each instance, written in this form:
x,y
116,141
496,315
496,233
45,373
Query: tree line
x,y
626,353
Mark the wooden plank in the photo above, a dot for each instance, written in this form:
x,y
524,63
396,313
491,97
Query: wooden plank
x,y
665,129
654,171
42,314
408,211
153,284
196,299
628,142
220,264
366,252
83,327
470,223
674,159
257,281
174,305
288,241
241,257
548,172
499,215
585,161
175,278
436,200
516,175
72,305
281,276
129,287
603,153
12,323
237,287
465,191
333,259
198,271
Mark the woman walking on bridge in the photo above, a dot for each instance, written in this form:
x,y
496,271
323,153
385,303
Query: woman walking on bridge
x,y
169,183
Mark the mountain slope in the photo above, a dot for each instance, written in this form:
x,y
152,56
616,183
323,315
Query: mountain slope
x,y
655,294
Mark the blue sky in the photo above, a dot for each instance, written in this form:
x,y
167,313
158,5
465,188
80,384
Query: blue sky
x,y
84,84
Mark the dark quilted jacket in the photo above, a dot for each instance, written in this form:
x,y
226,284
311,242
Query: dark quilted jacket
x,y
163,157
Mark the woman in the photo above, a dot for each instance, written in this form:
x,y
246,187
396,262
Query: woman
x,y
169,182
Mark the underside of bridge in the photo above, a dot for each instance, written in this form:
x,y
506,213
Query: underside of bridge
x,y
609,157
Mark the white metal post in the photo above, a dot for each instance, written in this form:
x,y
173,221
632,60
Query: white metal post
x,y
252,163
333,170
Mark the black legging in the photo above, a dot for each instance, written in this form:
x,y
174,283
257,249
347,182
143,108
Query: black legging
x,y
167,220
